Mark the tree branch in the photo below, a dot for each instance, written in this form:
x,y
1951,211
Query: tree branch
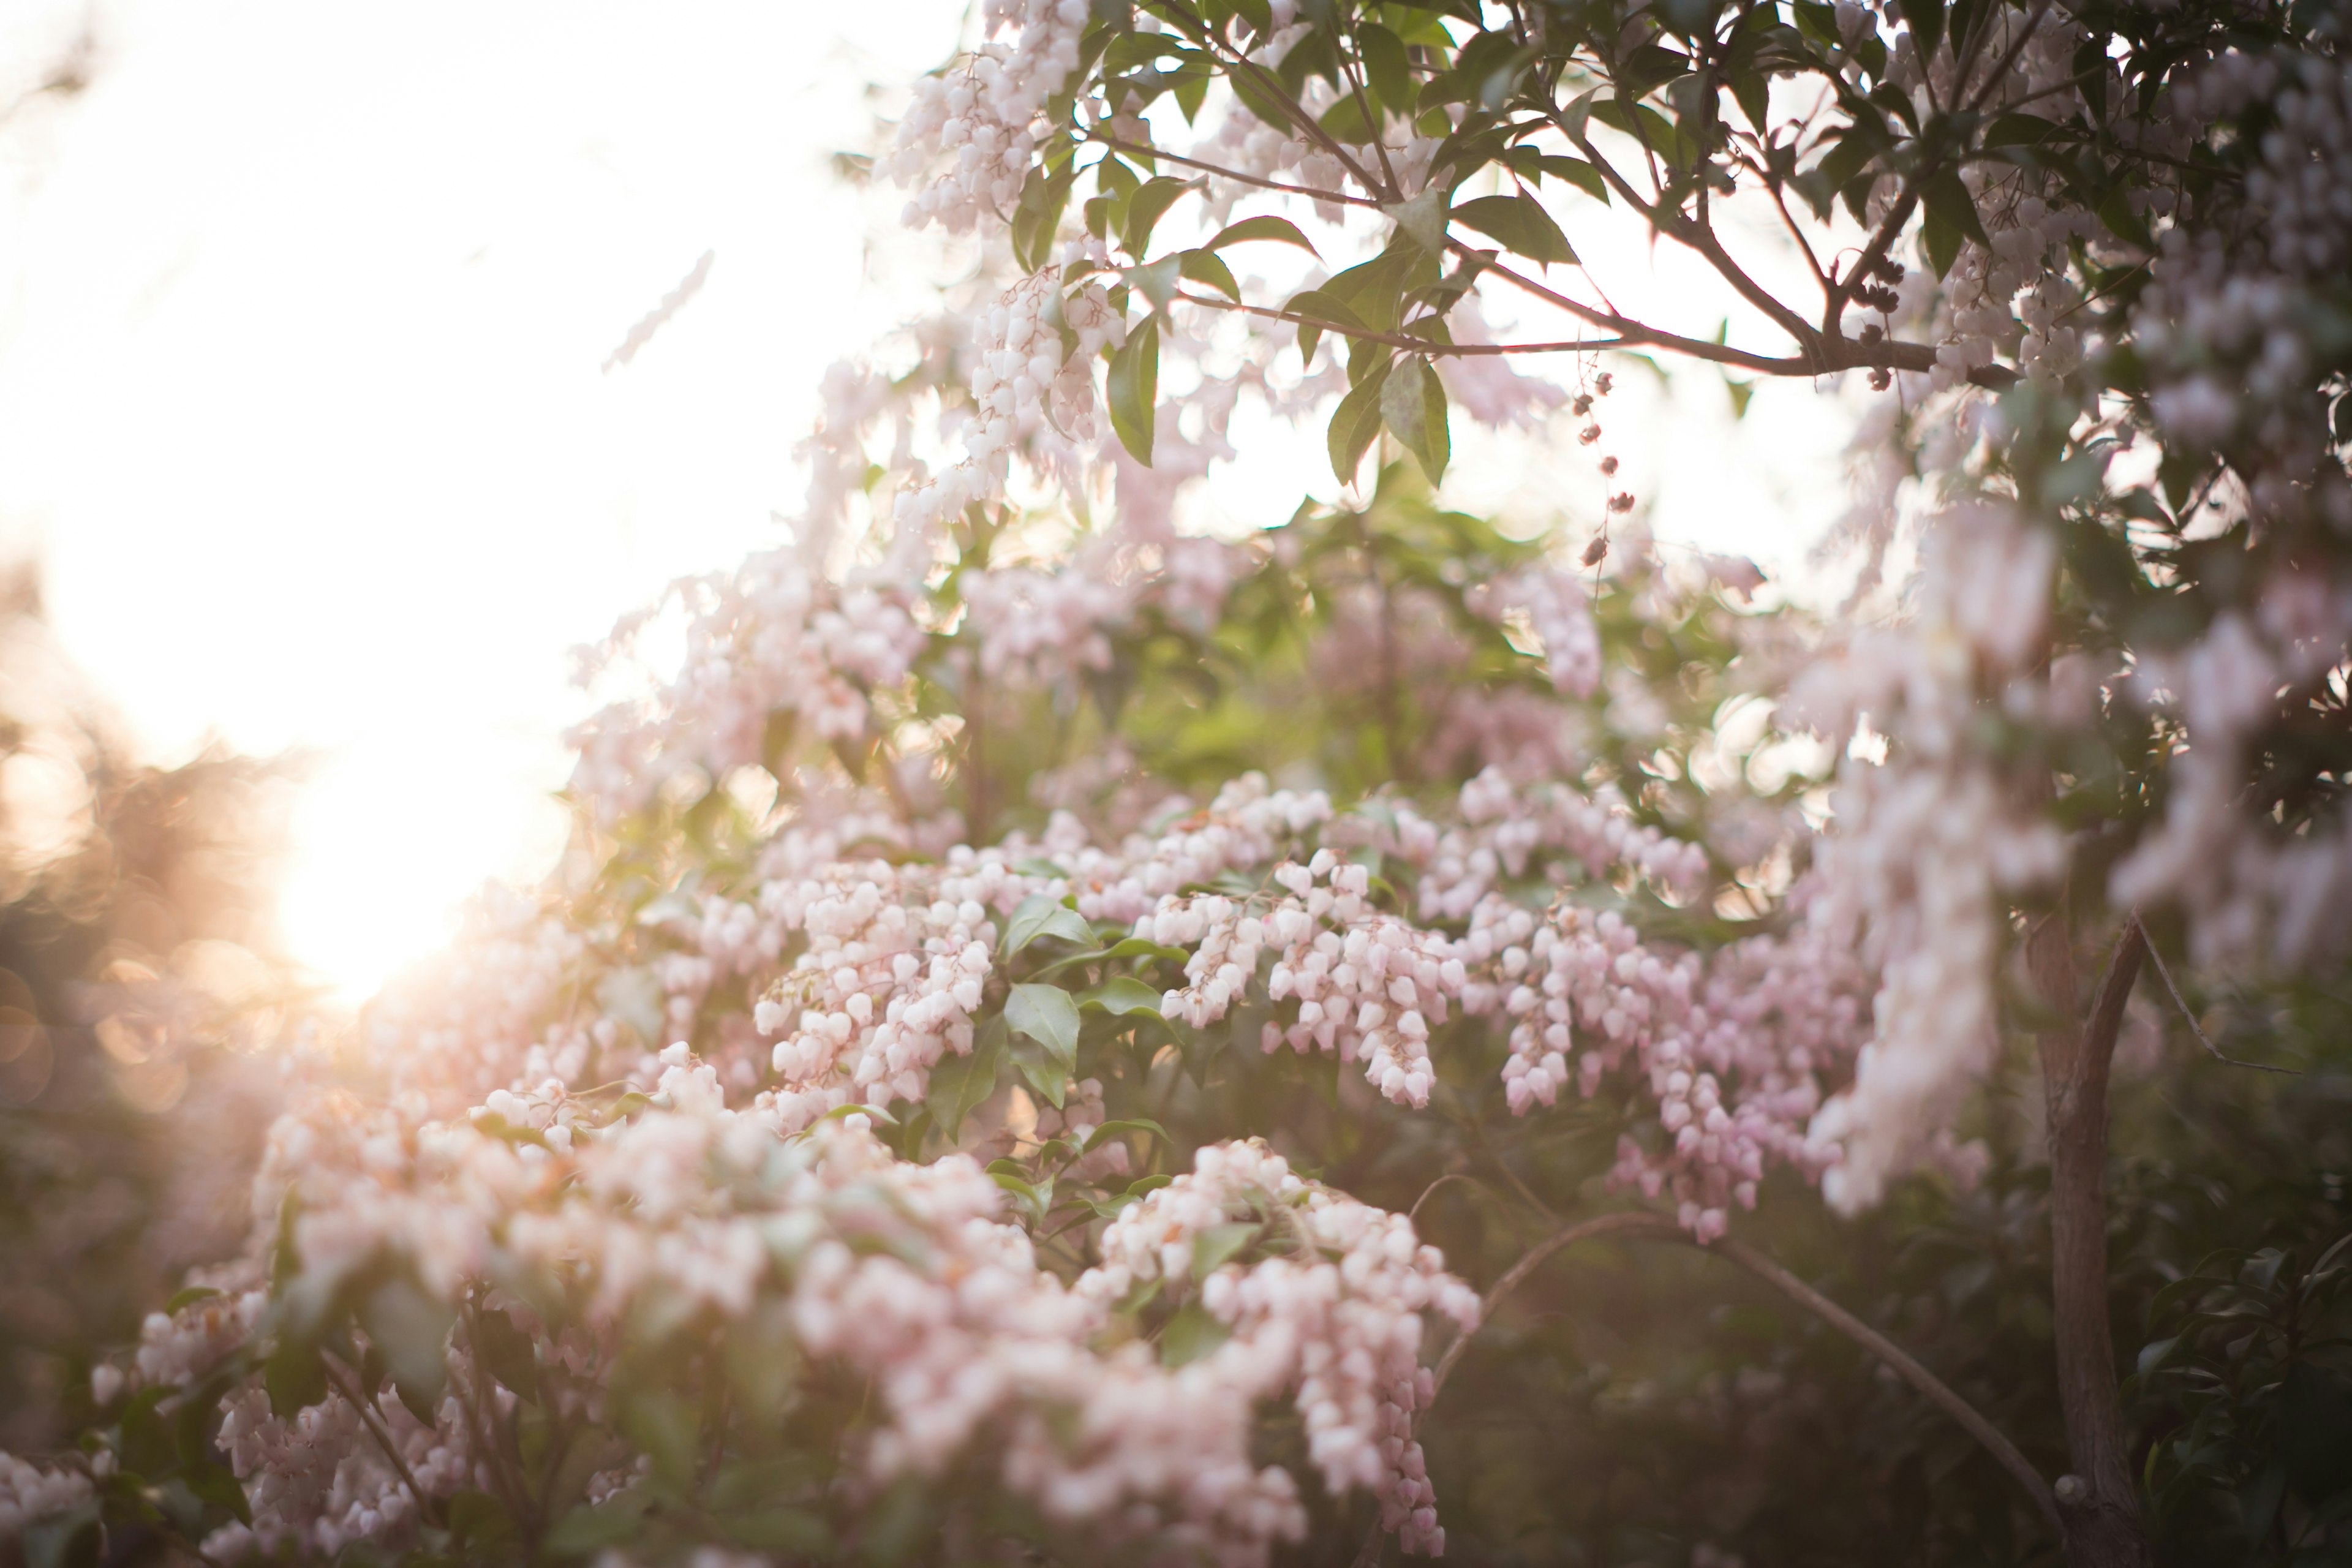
x,y
2099,1502
375,1429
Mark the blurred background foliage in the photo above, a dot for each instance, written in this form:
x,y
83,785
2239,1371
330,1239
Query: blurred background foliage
x,y
139,979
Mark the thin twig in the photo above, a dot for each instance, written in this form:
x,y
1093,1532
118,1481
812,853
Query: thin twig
x,y
2020,1469
1221,171
2198,1029
1640,1224
1429,1191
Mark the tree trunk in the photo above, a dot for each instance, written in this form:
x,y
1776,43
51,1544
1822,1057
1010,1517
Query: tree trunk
x,y
2099,1501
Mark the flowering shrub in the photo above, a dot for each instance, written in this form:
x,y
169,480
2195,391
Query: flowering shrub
x,y
1025,968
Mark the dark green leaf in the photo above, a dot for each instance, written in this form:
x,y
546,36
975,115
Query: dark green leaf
x,y
1203,267
1386,66
295,1375
412,1329
1279,230
1120,995
1577,173
1191,1334
1047,1014
1520,223
1926,20
477,1518
1947,200
665,1429
1318,305
2115,212
1039,915
1355,424
1215,1247
2315,1432
961,1082
1110,1130
1133,388
508,1351
1413,403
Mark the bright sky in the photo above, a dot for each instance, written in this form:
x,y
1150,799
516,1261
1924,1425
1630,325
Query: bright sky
x,y
302,310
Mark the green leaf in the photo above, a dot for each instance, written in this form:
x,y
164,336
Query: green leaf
x,y
665,1428
1947,199
1133,385
1036,1065
1577,173
959,1083
1215,1247
295,1375
1035,1196
1121,996
1347,121
2122,222
478,1517
1319,305
1355,424
1281,230
217,1486
1926,20
1943,242
1141,947
1039,915
1386,66
1047,1014
1520,223
1412,403
1038,215
1203,267
1110,1130
2314,1417
2019,129
1147,207
1424,217
1191,1334
1156,281
412,1329
509,1354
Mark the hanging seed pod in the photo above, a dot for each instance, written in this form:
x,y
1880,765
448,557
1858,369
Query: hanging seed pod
x,y
1589,435
1608,465
1621,502
1598,550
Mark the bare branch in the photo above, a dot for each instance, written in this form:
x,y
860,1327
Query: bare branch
x,y
1639,1224
2190,1018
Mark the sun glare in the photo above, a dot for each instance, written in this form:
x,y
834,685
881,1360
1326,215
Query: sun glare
x,y
379,863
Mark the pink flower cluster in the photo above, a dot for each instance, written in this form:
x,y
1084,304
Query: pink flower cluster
x,y
1345,1335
